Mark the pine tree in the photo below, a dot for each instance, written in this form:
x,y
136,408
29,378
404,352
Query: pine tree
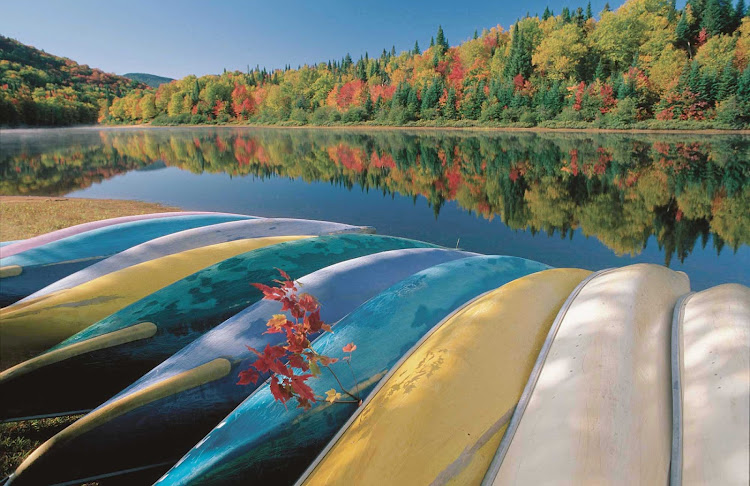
x,y
412,104
739,13
717,17
727,82
743,87
684,34
588,11
450,105
599,73
440,39
432,41
566,15
369,108
547,13
606,8
476,34
416,49
393,51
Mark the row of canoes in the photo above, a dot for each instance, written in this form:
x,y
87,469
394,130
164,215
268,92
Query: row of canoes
x,y
472,368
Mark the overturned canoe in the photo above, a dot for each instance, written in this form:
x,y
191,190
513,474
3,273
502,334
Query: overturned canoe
x,y
166,412
597,407
91,366
34,326
445,407
25,273
244,446
33,242
196,238
711,388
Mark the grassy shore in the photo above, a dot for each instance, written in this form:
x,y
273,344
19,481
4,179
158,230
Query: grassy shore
x,y
24,217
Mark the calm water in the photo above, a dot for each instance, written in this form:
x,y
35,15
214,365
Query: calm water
x,y
566,199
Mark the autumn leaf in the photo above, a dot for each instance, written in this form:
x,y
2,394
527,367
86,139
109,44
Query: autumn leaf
x,y
332,395
276,323
248,376
349,348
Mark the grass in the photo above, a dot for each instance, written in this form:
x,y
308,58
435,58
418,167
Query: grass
x,y
24,217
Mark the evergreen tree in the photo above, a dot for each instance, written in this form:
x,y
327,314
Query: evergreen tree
x,y
416,49
717,17
440,39
547,13
519,60
684,34
369,108
450,111
739,13
566,15
599,73
412,104
393,51
743,87
727,82
588,11
432,41
476,34
606,8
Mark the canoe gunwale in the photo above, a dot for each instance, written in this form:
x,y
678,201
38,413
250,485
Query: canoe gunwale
x,y
536,371
381,384
676,351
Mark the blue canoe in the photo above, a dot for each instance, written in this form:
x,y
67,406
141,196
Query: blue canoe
x,y
196,238
245,447
175,415
25,273
142,335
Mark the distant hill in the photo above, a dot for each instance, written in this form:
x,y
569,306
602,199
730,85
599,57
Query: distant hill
x,y
150,79
37,88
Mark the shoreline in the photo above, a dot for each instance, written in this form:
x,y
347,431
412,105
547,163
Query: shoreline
x,y
633,131
23,217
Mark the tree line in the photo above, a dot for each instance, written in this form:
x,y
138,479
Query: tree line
x,y
646,64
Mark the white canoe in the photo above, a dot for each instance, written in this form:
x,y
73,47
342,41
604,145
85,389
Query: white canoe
x,y
711,387
597,407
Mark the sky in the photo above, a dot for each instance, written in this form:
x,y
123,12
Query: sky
x,y
176,38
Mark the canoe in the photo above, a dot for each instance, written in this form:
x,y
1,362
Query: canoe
x,y
94,364
165,416
245,446
448,425
27,244
196,238
34,326
597,407
25,273
711,387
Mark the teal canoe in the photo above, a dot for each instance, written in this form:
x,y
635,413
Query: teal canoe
x,y
104,358
25,273
244,447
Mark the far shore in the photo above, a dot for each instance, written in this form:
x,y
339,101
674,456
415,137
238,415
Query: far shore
x,y
370,128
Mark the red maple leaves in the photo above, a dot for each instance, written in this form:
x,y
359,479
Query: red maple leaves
x,y
293,362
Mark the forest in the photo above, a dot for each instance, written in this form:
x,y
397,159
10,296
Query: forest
x,y
37,88
622,189
646,64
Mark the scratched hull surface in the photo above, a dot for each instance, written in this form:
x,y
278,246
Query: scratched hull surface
x,y
181,313
29,243
711,444
244,446
600,408
34,326
43,265
424,408
195,238
165,426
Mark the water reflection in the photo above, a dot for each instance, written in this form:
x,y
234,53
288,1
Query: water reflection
x,y
621,189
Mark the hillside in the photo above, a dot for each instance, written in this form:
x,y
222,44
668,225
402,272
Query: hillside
x,y
150,79
40,89
644,65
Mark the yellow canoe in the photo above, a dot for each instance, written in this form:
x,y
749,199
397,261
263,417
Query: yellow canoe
x,y
711,393
438,417
31,327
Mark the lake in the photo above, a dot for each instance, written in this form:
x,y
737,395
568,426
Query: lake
x,y
589,200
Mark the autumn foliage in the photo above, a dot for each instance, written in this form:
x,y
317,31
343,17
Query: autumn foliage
x,y
292,363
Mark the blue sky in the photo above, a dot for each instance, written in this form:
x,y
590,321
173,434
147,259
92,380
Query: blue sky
x,y
177,38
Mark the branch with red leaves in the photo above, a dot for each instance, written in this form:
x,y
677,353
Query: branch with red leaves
x,y
293,362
